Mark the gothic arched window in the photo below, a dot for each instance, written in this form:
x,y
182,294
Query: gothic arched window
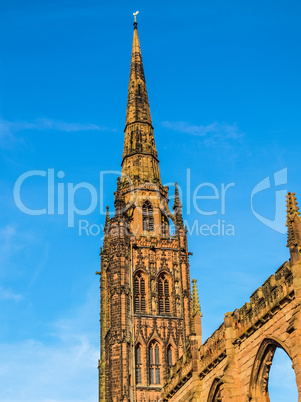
x,y
154,364
139,293
138,364
148,217
164,295
215,391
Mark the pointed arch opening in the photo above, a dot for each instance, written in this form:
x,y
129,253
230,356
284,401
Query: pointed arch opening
x,y
215,391
139,293
169,356
164,294
282,380
154,363
148,217
259,384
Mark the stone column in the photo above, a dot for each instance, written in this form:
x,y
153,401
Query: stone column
x,y
231,382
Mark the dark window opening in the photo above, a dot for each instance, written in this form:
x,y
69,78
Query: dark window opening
x,y
154,364
139,294
148,217
163,291
169,356
138,364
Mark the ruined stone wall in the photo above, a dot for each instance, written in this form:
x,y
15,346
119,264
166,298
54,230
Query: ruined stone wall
x,y
234,363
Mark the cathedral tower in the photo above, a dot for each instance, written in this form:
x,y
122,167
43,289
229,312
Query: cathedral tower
x,y
146,315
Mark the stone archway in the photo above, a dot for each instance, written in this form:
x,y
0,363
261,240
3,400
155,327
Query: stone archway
x,y
215,391
261,369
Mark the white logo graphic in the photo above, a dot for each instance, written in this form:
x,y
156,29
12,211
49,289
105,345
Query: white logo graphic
x,y
280,178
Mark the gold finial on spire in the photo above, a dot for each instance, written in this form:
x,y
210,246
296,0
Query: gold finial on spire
x,y
135,16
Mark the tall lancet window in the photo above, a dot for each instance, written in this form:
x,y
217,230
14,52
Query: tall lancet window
x,y
164,295
148,217
169,356
154,364
138,364
139,293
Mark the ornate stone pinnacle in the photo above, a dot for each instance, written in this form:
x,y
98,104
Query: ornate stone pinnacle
x,y
119,198
177,201
293,220
177,207
292,206
196,308
107,217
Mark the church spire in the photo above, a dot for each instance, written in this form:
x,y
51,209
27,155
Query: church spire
x,y
140,158
137,107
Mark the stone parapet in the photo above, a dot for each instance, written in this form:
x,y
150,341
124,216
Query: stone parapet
x,y
272,296
178,375
213,351
223,346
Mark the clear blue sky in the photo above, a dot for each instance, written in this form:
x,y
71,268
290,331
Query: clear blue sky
x,y
223,80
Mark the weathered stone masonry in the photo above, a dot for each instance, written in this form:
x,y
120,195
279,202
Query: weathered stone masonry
x,y
234,363
145,283
151,334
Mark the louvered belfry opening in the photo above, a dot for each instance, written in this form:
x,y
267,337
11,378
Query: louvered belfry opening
x,y
148,217
154,364
164,295
139,294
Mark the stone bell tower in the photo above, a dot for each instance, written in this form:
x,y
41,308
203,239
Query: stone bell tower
x,y
146,314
